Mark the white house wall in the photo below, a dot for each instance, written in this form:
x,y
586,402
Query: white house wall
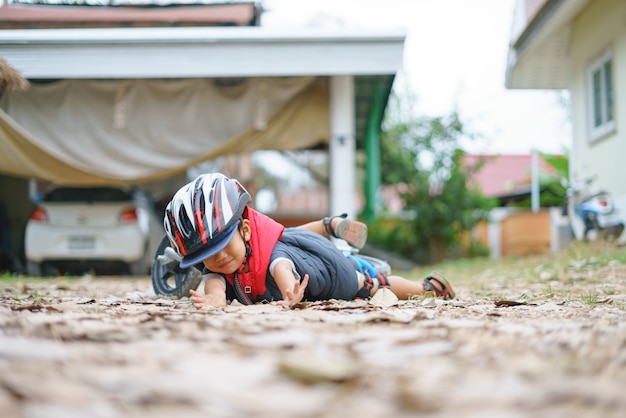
x,y
601,26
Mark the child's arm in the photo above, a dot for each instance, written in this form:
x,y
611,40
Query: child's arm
x,y
290,287
214,294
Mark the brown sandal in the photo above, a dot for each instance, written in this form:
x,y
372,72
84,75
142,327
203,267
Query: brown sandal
x,y
353,232
444,289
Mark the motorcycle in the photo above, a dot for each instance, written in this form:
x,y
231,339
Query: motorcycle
x,y
169,279
592,213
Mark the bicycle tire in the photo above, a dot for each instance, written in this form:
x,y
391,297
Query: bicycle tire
x,y
171,280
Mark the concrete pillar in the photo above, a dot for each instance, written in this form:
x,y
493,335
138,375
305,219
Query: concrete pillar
x,y
342,150
342,146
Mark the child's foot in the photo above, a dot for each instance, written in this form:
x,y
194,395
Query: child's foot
x,y
439,285
353,232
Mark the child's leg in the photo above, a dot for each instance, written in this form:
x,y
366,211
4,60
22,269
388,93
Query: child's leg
x,y
316,227
405,289
436,283
353,232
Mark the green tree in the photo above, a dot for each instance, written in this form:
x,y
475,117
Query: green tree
x,y
560,163
423,161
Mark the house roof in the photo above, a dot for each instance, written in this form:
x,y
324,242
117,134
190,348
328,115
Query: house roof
x,y
372,57
538,52
504,175
174,52
47,16
147,44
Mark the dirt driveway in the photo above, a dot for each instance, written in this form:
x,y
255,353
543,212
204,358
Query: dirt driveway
x,y
108,347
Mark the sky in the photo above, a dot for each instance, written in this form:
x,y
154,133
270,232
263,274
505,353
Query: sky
x,y
455,56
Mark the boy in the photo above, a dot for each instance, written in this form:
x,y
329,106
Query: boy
x,y
250,257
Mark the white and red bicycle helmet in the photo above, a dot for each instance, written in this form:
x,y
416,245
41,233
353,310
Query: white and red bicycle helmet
x,y
203,216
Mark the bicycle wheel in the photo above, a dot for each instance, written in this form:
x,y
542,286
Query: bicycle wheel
x,y
169,279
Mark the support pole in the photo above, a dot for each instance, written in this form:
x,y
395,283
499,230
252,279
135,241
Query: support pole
x,y
534,189
342,146
372,154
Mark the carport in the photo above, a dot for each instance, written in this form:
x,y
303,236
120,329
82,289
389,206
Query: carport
x,y
121,105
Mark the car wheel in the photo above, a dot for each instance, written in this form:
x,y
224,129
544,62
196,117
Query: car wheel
x,y
49,269
33,268
138,268
169,279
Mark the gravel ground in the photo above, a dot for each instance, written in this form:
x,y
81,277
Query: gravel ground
x,y
108,347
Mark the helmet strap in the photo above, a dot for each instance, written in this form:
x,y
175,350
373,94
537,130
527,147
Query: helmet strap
x,y
245,258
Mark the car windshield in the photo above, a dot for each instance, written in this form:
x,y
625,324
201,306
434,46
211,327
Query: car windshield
x,y
91,194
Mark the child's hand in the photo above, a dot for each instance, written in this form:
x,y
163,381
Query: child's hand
x,y
293,296
206,301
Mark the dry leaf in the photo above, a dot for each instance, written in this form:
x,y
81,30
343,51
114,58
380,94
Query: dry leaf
x,y
384,297
507,303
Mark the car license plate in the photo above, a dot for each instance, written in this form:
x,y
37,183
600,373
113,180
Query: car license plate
x,y
82,242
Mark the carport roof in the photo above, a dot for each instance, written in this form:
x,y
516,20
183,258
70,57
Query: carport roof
x,y
372,57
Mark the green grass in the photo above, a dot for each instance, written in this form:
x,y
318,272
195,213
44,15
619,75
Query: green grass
x,y
11,278
590,299
578,257
584,272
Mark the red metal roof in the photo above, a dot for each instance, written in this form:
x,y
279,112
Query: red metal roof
x,y
503,174
45,17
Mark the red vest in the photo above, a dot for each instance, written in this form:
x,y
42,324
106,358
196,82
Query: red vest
x,y
264,233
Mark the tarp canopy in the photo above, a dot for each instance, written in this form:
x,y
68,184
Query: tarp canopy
x,y
84,132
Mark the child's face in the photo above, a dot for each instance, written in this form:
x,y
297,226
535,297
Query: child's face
x,y
230,258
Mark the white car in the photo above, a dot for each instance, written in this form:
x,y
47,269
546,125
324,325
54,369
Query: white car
x,y
76,229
